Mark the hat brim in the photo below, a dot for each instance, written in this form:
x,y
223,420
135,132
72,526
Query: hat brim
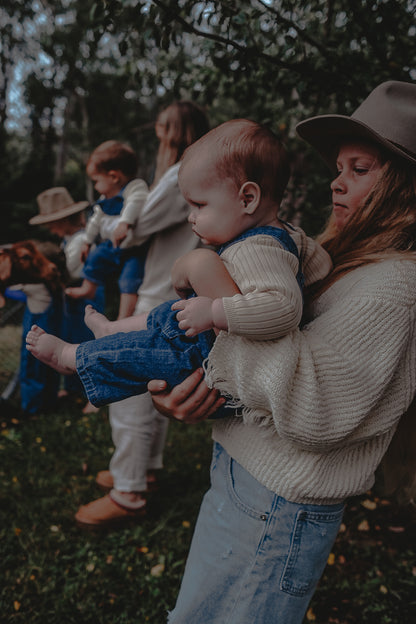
x,y
325,133
59,214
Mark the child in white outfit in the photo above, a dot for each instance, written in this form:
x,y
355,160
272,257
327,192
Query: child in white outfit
x,y
112,167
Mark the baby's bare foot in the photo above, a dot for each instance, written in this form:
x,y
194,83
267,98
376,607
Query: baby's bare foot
x,y
51,350
97,322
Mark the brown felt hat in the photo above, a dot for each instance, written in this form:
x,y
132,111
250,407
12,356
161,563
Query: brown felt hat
x,y
387,117
54,204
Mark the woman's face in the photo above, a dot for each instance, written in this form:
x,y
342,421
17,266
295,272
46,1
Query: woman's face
x,y
358,166
160,126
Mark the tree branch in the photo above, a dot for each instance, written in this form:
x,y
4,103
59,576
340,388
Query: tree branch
x,y
286,22
300,68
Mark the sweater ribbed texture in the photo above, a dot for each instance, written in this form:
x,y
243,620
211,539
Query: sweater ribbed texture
x,y
270,304
322,404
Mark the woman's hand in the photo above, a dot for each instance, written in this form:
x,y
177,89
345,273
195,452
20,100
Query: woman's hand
x,y
191,401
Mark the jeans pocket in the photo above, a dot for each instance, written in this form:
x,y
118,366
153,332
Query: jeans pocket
x,y
246,493
313,535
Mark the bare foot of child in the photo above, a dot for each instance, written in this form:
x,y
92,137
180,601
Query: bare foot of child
x,y
89,408
51,350
98,323
87,290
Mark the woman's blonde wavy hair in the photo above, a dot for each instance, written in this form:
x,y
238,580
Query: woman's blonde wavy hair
x,y
384,226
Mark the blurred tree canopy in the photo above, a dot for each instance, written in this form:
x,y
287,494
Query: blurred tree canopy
x,y
74,73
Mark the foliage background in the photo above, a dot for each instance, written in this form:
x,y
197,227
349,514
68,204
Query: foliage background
x,y
76,72
72,74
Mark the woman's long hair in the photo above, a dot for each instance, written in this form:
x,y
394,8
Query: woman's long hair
x,y
182,124
384,226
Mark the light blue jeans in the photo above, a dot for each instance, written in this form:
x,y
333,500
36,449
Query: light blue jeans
x,y
255,558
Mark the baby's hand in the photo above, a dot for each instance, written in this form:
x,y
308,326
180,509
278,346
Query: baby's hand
x,y
195,315
120,234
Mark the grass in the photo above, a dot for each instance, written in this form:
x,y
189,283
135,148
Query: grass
x,y
52,572
10,338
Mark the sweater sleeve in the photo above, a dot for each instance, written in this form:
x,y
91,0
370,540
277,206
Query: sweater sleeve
x,y
165,206
271,301
93,226
72,252
135,195
330,383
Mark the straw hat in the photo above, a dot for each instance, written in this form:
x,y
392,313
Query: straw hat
x,y
54,204
387,117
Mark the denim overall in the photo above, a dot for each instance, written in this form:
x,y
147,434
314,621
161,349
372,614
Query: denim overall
x,y
121,365
106,260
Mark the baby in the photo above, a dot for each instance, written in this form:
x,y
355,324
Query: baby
x,y
233,178
112,167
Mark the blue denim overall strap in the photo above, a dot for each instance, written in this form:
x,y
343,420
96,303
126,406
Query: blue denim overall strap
x,y
113,205
280,235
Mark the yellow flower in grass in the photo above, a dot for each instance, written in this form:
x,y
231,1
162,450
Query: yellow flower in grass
x,y
369,504
331,559
363,526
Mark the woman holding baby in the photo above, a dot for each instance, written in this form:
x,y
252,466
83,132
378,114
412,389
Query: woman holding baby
x,y
323,403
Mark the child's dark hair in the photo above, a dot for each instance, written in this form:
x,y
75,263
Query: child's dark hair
x,y
244,150
113,155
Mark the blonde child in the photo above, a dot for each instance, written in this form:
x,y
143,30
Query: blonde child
x,y
234,179
112,167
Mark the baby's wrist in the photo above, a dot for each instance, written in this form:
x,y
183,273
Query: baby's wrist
x,y
219,319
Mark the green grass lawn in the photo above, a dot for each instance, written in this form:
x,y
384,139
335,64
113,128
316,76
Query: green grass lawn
x,y
53,573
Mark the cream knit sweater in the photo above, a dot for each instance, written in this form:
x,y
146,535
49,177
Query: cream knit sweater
x,y
322,404
271,303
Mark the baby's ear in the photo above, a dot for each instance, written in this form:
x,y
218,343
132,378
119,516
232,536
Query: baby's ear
x,y
250,195
115,175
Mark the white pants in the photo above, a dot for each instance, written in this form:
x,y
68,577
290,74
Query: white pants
x,y
139,434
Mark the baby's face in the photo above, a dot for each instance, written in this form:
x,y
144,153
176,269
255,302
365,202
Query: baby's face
x,y
59,228
217,210
105,182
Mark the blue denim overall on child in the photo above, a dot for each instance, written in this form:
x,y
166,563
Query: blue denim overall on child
x,y
106,260
118,366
